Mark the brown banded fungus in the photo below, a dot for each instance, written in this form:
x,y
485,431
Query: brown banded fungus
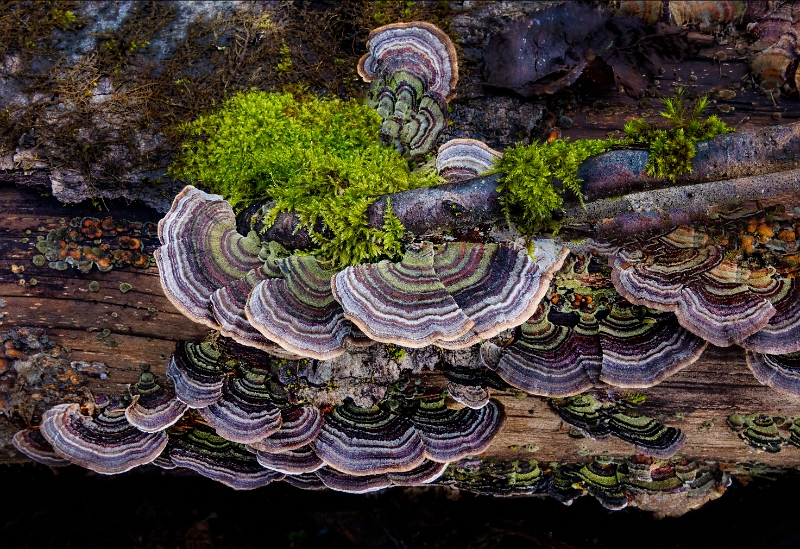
x,y
460,159
298,311
498,286
244,412
425,473
403,303
153,407
203,451
201,252
197,374
413,69
31,443
106,444
685,272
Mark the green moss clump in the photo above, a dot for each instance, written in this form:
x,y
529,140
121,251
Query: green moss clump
x,y
672,150
320,158
529,194
527,186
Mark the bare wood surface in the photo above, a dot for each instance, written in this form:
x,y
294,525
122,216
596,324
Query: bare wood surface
x,y
146,326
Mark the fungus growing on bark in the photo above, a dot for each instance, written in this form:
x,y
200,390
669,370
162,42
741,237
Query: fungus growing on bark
x,y
642,347
244,412
374,441
414,69
760,431
425,473
203,451
298,311
684,273
550,359
781,335
460,159
779,371
597,420
403,303
368,441
498,286
291,462
776,38
449,435
195,371
31,443
153,407
106,444
299,426
201,252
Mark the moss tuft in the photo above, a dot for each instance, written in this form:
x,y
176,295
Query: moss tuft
x,y
529,185
672,150
320,158
529,196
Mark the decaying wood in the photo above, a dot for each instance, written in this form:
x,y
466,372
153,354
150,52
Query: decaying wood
x,y
146,326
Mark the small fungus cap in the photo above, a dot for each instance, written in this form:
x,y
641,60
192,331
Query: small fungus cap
x,y
201,252
298,311
107,444
402,303
461,159
420,48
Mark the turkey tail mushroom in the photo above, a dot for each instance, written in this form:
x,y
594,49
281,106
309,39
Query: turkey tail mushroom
x,y
106,444
201,252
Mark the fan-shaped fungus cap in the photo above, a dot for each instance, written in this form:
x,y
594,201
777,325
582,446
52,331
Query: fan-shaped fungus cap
x,y
153,407
228,305
460,159
106,444
305,481
210,455
781,335
403,303
299,426
424,473
498,286
779,371
551,360
648,435
468,386
292,462
760,431
450,435
721,308
31,443
245,412
683,272
597,420
368,441
298,312
642,347
419,48
196,373
201,252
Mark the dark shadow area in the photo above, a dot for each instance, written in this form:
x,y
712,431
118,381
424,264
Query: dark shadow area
x,y
152,509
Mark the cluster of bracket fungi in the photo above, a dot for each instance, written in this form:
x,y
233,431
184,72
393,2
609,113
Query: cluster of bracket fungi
x,y
625,312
